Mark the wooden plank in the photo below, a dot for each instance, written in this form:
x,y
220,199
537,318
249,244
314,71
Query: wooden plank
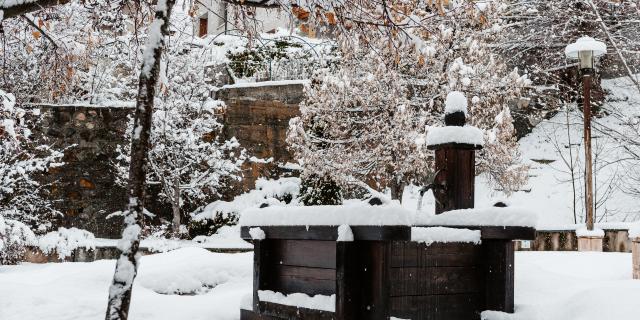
x,y
498,275
312,281
261,275
347,281
375,262
304,253
280,311
330,233
414,254
435,281
437,307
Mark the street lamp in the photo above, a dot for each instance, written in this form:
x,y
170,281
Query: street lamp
x,y
586,50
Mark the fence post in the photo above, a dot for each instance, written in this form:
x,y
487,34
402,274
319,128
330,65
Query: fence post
x,y
635,252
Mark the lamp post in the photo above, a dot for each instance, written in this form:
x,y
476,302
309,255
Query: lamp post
x,y
586,50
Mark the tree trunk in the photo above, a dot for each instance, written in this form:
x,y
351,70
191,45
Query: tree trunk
x,y
176,208
127,264
397,189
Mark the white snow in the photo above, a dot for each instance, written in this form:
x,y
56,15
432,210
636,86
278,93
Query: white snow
x,y
351,213
585,44
584,232
344,233
497,315
455,102
548,286
491,216
575,285
65,291
430,235
634,232
64,241
266,191
300,300
453,134
257,234
265,84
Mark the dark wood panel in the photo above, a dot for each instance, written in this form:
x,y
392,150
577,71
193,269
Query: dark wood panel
x,y
437,307
330,233
347,281
312,281
261,269
414,254
305,253
279,311
375,262
498,275
435,280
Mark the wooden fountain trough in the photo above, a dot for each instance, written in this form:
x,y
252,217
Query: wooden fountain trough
x,y
382,273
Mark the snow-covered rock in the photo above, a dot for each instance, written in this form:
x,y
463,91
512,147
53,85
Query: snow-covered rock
x,y
65,241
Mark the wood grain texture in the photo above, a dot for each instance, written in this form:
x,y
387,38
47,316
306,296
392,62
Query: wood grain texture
x,y
273,311
330,233
435,281
348,295
437,307
414,254
305,253
312,281
498,258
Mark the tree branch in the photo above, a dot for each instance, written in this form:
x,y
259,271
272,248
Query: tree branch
x,y
17,9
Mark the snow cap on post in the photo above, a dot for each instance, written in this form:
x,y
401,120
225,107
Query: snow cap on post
x,y
455,109
456,132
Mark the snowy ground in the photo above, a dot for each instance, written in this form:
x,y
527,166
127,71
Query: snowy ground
x,y
549,285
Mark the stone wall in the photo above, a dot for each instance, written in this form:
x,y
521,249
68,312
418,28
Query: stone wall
x,y
84,189
258,117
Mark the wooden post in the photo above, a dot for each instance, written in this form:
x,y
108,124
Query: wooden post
x,y
347,281
498,275
456,171
635,252
586,108
260,274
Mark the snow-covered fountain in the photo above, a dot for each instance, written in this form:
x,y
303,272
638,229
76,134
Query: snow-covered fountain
x,y
362,261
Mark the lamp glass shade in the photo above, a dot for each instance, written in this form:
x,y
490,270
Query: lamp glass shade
x,y
586,59
586,49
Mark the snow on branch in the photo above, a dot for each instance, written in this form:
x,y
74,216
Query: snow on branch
x,y
14,8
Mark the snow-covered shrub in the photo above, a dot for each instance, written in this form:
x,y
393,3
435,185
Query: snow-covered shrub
x,y
316,190
268,192
65,241
22,197
365,123
15,236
